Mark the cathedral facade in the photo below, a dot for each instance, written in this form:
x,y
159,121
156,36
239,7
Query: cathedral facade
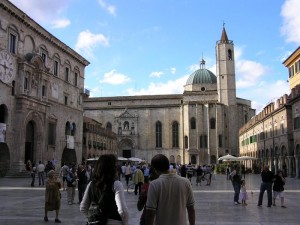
x,y
197,126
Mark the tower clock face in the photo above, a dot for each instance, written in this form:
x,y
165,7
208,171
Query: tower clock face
x,y
7,67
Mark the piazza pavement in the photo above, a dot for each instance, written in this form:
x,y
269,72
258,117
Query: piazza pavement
x,y
24,205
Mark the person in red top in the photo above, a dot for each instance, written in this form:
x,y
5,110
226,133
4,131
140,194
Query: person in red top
x,y
141,204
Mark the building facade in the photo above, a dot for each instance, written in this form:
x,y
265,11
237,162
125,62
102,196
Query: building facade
x,y
97,140
197,126
41,91
273,135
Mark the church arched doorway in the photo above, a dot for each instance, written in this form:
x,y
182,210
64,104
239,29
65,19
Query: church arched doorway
x,y
126,148
29,142
69,157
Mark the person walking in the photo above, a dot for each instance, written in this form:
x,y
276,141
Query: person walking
x,y
32,174
63,173
71,185
169,196
127,173
52,196
41,173
199,175
267,177
189,171
141,204
236,183
278,188
83,178
105,182
243,193
138,179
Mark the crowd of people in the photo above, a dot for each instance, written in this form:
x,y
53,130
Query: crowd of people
x,y
273,184
159,185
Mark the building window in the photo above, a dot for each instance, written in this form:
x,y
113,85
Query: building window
x,y
296,122
158,129
44,56
186,142
108,126
220,141
55,69
67,74
12,43
76,79
291,71
25,83
66,100
212,123
51,133
297,66
229,54
175,139
44,91
193,123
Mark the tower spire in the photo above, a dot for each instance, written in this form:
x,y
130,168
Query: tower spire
x,y
224,38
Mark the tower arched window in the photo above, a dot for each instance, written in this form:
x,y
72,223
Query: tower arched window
x,y
175,139
212,123
158,134
193,123
229,54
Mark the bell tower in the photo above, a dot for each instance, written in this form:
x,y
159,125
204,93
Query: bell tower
x,y
225,70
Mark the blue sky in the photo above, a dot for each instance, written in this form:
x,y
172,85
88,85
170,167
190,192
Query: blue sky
x,y
139,47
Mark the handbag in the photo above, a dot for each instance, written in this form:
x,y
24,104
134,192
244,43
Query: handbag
x,y
96,213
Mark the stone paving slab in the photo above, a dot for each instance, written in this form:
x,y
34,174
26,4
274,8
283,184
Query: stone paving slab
x,y
24,205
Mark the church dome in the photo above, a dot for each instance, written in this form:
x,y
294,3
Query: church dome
x,y
202,76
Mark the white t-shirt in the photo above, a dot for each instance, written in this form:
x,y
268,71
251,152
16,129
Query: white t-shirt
x,y
169,196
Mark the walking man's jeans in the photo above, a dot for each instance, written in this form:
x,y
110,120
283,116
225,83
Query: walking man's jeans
x,y
263,187
237,188
41,178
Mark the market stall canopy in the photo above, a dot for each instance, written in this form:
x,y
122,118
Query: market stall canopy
x,y
246,158
133,159
228,158
122,159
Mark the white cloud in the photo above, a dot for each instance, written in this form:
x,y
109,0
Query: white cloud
x,y
61,23
114,78
173,70
171,87
291,21
43,11
111,9
87,41
249,73
265,93
156,74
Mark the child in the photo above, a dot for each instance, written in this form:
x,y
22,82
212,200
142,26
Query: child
x,y
243,193
278,188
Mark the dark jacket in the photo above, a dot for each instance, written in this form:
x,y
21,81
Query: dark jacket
x,y
278,184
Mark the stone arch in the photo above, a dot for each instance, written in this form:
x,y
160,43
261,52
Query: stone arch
x,y
126,147
69,156
3,114
172,159
32,144
178,159
29,44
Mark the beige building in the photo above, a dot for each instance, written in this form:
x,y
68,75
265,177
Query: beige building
x,y
41,90
97,140
273,136
197,126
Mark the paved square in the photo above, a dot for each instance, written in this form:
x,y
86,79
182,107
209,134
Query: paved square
x,y
24,205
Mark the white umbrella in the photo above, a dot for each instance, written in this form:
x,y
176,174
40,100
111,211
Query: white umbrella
x,y
93,159
122,159
135,159
228,158
246,158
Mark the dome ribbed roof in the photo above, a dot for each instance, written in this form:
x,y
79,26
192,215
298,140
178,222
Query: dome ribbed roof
x,y
202,76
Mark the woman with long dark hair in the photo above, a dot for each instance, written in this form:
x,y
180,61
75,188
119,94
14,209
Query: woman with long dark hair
x,y
105,182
